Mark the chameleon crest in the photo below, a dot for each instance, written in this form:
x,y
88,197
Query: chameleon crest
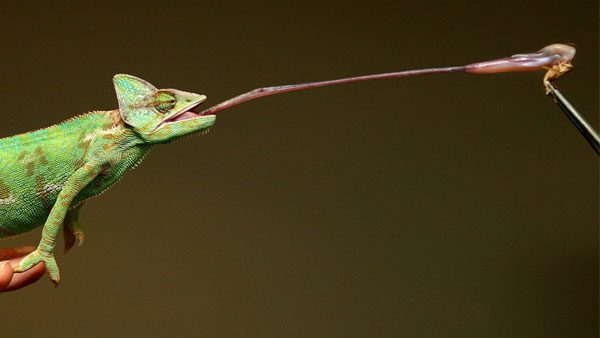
x,y
158,115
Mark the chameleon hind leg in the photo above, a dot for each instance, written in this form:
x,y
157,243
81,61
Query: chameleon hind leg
x,y
45,250
72,230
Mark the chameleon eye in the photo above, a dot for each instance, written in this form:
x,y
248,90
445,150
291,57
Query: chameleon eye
x,y
164,101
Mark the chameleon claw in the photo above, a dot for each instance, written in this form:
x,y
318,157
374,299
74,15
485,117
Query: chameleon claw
x,y
37,257
72,237
79,238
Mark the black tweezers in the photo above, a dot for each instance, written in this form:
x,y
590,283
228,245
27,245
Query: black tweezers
x,y
590,135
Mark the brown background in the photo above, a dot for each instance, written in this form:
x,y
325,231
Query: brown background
x,y
443,206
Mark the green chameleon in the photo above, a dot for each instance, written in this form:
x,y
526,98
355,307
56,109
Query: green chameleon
x,y
47,175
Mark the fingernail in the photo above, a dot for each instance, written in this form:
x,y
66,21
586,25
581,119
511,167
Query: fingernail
x,y
4,265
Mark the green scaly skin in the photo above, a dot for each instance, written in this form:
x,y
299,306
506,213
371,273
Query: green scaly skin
x,y
46,175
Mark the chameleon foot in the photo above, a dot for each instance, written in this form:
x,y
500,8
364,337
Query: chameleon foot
x,y
36,257
72,237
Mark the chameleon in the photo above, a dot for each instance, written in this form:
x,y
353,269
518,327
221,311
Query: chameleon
x,y
47,175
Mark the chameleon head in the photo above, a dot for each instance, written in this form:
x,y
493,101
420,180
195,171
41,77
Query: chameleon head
x,y
159,115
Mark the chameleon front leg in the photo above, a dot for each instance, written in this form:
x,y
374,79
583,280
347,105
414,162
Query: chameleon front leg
x,y
45,250
72,230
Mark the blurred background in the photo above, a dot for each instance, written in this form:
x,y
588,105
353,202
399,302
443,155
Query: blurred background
x,y
443,206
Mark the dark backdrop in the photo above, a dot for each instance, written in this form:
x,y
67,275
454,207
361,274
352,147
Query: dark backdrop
x,y
443,206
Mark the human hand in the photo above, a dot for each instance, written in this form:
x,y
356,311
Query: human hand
x,y
9,280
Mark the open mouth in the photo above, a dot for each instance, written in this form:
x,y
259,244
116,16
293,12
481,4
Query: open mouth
x,y
187,114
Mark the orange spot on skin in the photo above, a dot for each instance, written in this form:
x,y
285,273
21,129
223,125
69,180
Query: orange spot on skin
x,y
4,190
41,192
115,118
85,145
27,159
40,156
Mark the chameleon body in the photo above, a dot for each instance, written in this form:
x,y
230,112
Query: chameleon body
x,y
46,175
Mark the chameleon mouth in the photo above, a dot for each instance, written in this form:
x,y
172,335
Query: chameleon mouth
x,y
186,114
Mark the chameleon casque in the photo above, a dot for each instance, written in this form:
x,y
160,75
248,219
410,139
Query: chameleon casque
x,y
47,175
